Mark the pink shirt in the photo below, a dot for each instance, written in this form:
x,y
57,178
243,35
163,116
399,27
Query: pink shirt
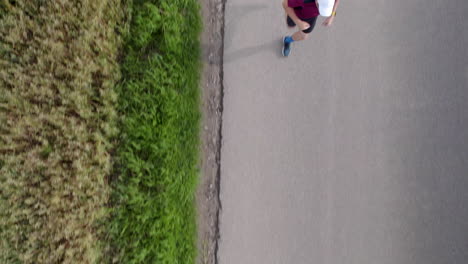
x,y
304,10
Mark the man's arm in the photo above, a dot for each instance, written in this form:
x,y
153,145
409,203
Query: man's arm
x,y
337,2
290,12
330,19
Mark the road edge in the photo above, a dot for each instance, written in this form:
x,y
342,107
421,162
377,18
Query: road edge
x,y
212,92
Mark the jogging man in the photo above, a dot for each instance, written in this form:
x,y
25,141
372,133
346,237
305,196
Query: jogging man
x,y
304,13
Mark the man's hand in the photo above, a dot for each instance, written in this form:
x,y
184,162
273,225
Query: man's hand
x,y
329,21
303,25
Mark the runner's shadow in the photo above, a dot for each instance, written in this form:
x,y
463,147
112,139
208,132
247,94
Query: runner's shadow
x,y
273,46
237,12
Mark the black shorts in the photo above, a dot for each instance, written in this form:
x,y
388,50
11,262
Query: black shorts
x,y
311,22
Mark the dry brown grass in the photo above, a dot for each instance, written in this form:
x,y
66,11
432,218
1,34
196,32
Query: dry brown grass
x,y
58,68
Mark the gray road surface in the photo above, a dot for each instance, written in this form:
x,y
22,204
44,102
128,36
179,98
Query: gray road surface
x,y
354,150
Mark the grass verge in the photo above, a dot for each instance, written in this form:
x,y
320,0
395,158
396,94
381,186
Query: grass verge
x,y
57,121
154,218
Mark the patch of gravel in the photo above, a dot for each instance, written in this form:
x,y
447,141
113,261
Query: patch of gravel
x,y
208,201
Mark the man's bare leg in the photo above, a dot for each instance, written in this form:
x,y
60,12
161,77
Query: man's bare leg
x,y
299,35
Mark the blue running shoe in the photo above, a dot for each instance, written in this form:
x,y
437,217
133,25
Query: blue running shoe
x,y
286,47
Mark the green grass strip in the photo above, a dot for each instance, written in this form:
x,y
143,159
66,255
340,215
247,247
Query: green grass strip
x,y
154,217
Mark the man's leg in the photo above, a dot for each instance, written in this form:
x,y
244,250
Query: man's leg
x,y
288,40
298,36
303,34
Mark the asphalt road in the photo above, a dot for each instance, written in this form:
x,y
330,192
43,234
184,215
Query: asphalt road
x,y
354,150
